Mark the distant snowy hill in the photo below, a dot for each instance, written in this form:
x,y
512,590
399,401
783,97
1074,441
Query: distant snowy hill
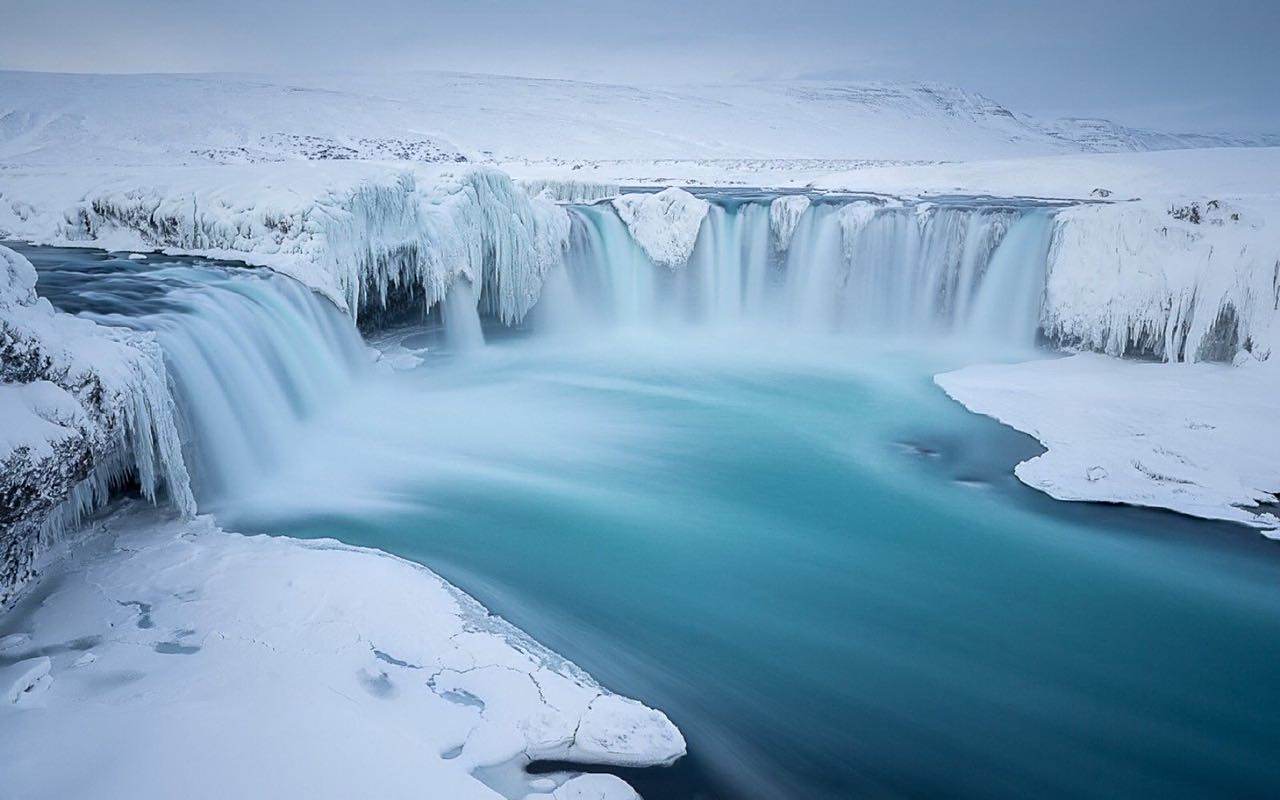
x,y
1105,136
62,119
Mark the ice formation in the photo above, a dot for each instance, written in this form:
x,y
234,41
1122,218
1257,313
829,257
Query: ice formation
x,y
784,215
1184,281
289,642
364,235
665,224
87,408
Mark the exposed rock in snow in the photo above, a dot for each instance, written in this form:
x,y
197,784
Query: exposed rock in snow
x,y
13,640
1191,281
249,666
784,215
1200,439
20,680
665,224
1105,136
84,407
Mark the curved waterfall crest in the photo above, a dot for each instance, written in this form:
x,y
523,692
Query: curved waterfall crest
x,y
868,266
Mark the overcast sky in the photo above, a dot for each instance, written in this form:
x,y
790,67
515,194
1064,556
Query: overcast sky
x,y
1175,64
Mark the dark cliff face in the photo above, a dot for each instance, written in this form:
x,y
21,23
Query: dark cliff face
x,y
42,492
76,450
31,492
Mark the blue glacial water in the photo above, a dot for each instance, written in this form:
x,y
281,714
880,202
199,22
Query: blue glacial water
x,y
823,571
785,536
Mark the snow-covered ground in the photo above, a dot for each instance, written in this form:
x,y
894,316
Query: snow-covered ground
x,y
1200,439
1202,173
171,659
436,116
720,134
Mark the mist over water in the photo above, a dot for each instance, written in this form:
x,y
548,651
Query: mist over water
x,y
821,568
734,492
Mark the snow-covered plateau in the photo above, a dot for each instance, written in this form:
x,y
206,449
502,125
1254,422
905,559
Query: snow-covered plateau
x,y
1160,270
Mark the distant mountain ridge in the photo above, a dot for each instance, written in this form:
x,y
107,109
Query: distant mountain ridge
x,y
51,119
1104,136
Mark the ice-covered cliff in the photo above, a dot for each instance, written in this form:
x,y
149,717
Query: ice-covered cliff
x,y
366,235
85,408
665,224
1190,280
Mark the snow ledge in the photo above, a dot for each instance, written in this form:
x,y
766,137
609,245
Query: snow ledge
x,y
1199,439
665,224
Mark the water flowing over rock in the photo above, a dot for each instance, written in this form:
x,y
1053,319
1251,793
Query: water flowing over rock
x,y
87,409
865,267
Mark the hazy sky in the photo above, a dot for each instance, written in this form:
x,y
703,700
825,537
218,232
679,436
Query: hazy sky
x,y
1175,64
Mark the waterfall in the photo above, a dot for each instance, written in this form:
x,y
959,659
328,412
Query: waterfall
x,y
461,319
864,267
250,356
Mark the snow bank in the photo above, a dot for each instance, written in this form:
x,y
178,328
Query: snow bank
x,y
1190,281
364,234
185,661
784,215
1200,439
665,224
84,407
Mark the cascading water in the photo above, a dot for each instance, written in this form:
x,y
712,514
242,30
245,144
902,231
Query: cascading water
x,y
866,267
250,354
461,319
613,281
